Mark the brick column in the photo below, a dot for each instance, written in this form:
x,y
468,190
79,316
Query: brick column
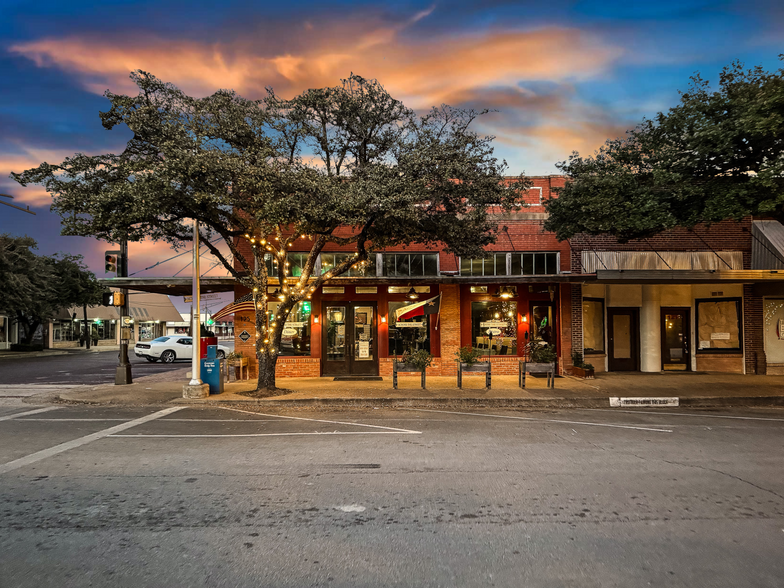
x,y
246,321
577,318
450,328
566,337
753,335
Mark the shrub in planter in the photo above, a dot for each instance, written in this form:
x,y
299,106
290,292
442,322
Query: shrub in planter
x,y
421,359
581,368
543,354
468,355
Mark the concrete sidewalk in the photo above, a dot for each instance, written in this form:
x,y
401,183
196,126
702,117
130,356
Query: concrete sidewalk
x,y
692,389
52,352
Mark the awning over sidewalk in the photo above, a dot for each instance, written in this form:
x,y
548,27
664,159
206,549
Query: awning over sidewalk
x,y
688,276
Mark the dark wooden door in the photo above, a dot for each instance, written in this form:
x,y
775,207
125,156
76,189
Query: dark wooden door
x,y
623,326
350,339
675,330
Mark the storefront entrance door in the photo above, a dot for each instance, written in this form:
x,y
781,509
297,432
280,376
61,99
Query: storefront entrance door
x,y
675,327
349,339
623,338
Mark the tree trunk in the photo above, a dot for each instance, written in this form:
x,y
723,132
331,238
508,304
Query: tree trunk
x,y
87,331
267,363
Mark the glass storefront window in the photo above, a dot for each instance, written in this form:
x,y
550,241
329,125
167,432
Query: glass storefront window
x,y
593,325
489,266
718,325
295,339
494,327
409,334
410,264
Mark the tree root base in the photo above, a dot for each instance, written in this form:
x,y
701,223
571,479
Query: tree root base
x,y
266,392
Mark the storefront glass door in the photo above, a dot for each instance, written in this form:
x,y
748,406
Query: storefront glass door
x,y
675,339
623,329
350,339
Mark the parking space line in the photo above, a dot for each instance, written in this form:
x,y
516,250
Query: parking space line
x,y
563,422
401,432
323,421
9,417
704,416
45,453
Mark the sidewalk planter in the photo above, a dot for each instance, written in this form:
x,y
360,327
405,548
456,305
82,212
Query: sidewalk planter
x,y
587,374
399,366
536,368
236,366
481,366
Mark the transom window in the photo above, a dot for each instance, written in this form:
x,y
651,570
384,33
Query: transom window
x,y
488,266
410,264
330,260
534,263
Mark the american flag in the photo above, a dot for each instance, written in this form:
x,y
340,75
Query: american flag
x,y
244,304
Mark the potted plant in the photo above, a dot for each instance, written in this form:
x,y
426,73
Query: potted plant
x,y
237,360
581,368
417,361
540,359
467,359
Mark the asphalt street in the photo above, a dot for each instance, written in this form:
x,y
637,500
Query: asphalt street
x,y
96,496
78,368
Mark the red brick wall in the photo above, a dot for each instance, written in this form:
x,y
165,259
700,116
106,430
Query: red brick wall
x,y
450,328
753,334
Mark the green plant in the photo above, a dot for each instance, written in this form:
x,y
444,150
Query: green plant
x,y
578,361
235,355
543,353
468,355
419,359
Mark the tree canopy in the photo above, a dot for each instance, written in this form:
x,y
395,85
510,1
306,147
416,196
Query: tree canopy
x,y
34,287
347,165
717,155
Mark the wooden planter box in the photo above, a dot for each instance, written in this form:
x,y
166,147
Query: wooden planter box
x,y
236,366
480,366
536,368
583,373
406,367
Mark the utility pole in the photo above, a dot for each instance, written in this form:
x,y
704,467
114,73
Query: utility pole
x,y
27,210
123,374
196,388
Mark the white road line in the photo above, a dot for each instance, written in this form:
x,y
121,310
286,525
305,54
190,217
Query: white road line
x,y
45,453
21,414
75,420
283,434
322,421
499,416
686,414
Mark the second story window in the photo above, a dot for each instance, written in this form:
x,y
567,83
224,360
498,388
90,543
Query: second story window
x,y
489,266
297,262
330,260
406,265
534,263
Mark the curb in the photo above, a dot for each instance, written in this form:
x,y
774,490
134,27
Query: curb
x,y
532,403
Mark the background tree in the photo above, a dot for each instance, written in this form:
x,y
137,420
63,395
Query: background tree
x,y
34,287
717,155
347,165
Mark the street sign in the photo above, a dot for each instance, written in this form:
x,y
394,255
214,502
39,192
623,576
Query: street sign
x,y
244,336
202,297
126,321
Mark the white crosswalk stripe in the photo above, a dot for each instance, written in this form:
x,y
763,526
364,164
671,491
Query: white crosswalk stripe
x,y
20,390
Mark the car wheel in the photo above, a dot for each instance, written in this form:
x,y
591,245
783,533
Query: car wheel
x,y
168,356
152,359
221,354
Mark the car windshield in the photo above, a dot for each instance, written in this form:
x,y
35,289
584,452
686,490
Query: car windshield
x,y
161,339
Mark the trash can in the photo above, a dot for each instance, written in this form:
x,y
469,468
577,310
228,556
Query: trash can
x,y
212,370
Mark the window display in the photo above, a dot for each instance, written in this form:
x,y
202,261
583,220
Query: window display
x,y
295,338
593,325
718,325
494,327
407,335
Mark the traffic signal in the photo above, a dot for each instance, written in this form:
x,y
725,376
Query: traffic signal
x,y
118,299
112,262
210,322
106,299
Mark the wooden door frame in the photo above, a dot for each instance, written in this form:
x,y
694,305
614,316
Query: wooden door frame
x,y
686,310
348,321
634,312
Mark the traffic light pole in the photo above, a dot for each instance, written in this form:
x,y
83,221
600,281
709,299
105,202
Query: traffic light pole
x,y
123,374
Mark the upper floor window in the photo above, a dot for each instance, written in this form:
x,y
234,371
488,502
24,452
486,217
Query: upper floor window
x,y
534,263
297,263
362,269
489,266
410,264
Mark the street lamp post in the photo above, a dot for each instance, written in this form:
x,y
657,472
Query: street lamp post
x,y
196,388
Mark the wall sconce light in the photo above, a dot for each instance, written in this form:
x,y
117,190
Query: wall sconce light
x,y
524,318
315,319
383,319
412,294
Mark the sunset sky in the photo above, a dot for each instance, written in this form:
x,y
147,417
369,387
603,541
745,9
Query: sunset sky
x,y
563,75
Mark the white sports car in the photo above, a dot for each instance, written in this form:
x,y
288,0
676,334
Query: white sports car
x,y
171,348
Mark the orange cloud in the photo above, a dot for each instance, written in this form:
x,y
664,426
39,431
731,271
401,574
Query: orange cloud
x,y
35,196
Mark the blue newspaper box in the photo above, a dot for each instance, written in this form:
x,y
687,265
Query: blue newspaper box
x,y
212,370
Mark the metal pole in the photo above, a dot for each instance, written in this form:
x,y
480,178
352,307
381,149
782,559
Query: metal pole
x,y
196,312
123,374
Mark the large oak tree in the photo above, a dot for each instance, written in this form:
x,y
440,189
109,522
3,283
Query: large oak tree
x,y
717,155
347,165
